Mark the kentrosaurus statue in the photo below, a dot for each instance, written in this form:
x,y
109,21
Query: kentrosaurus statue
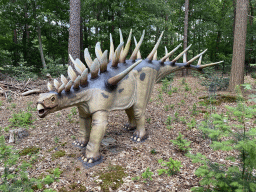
x,y
113,83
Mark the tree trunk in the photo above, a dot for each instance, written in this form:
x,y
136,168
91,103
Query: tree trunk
x,y
185,41
237,68
74,30
41,47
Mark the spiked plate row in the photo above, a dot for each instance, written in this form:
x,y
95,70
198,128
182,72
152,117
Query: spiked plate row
x,y
118,56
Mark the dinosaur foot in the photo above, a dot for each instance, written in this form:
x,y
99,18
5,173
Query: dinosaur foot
x,y
138,138
79,144
90,162
128,127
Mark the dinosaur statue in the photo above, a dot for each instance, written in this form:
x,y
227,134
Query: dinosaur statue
x,y
113,83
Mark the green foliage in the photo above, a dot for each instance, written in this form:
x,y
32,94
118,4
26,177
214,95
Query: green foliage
x,y
168,120
58,154
1,103
175,89
56,139
29,106
227,136
15,178
21,72
182,144
23,119
253,75
173,167
165,85
13,105
147,175
54,69
192,123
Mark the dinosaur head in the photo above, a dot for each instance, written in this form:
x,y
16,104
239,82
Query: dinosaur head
x,y
47,103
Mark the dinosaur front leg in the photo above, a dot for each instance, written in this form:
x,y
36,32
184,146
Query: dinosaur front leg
x,y
132,123
84,131
140,133
99,125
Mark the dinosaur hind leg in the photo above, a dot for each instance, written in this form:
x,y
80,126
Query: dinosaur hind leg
x,y
132,122
140,132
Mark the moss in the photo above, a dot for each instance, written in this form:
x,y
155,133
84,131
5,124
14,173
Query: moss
x,y
72,155
58,154
29,150
218,99
77,169
74,188
112,178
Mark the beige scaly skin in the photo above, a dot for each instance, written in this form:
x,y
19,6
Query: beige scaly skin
x,y
121,85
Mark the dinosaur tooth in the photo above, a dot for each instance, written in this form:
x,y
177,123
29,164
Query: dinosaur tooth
x,y
167,55
111,52
77,82
150,56
61,88
114,80
117,55
104,62
68,86
124,53
87,58
176,58
194,58
98,51
56,83
95,68
71,73
49,86
166,52
155,56
63,79
84,76
135,51
79,66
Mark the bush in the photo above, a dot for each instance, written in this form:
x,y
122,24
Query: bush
x,y
172,165
181,143
22,119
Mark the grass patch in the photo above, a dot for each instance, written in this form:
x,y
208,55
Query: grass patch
x,y
218,99
29,150
58,154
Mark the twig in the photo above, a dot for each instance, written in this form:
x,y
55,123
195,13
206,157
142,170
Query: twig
x,y
31,92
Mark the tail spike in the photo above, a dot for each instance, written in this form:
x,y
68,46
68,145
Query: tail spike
x,y
71,73
138,54
68,86
176,58
155,56
77,82
134,53
95,68
111,52
200,60
87,58
166,52
184,58
98,51
208,65
117,55
61,88
151,55
49,86
84,77
56,84
167,55
194,58
124,53
114,80
104,62
63,79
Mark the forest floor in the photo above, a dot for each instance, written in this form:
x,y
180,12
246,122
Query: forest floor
x,y
57,131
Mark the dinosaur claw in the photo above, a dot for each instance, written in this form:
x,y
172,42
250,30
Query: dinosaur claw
x,y
138,139
90,161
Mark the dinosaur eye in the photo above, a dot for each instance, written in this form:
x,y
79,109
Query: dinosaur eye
x,y
53,99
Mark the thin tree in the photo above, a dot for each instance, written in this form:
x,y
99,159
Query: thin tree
x,y
185,40
74,30
238,59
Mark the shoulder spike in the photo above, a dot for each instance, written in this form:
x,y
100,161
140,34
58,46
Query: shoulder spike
x,y
114,80
61,88
169,54
84,76
49,86
150,56
138,54
98,51
77,82
104,62
124,53
111,53
134,53
87,58
166,52
121,40
117,55
176,58
56,83
194,58
95,68
71,73
63,79
155,56
68,86
80,67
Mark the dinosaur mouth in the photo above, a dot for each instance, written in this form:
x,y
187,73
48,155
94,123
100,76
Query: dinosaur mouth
x,y
41,111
